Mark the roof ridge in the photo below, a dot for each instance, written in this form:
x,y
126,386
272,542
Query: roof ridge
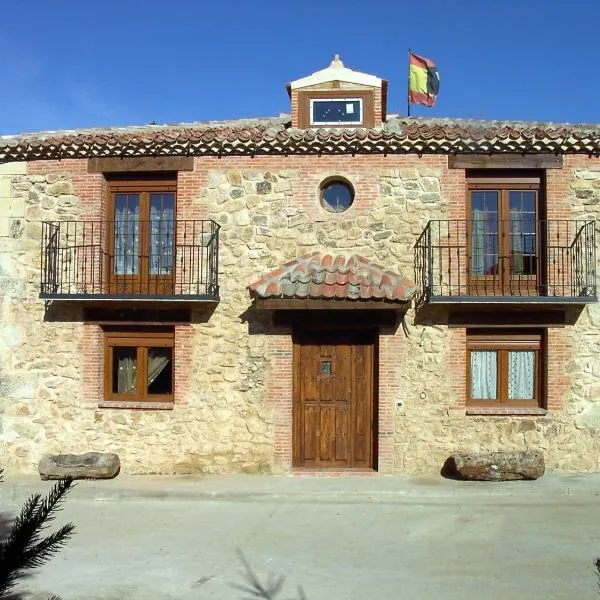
x,y
241,123
399,135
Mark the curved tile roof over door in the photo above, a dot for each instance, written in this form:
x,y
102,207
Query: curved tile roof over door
x,y
317,276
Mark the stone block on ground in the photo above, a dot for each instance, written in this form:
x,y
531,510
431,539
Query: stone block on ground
x,y
91,465
499,466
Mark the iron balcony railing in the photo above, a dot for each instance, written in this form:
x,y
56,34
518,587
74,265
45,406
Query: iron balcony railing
x,y
518,259
153,259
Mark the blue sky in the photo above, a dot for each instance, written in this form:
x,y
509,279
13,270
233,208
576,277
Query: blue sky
x,y
75,63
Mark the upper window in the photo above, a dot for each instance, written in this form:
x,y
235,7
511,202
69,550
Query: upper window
x,y
504,230
337,194
141,236
336,108
504,369
336,111
138,364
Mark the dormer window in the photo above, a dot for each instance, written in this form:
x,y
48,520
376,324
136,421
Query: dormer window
x,y
338,97
336,111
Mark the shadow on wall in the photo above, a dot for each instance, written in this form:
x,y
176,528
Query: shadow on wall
x,y
62,313
71,312
262,322
265,321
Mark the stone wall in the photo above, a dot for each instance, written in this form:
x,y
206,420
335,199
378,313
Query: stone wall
x,y
40,363
232,410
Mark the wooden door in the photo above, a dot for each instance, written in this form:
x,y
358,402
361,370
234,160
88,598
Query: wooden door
x,y
504,239
141,238
333,400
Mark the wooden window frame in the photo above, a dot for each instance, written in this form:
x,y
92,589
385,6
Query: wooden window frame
x,y
348,98
368,102
503,182
341,181
141,339
503,343
144,185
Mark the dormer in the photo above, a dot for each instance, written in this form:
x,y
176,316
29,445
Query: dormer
x,y
338,97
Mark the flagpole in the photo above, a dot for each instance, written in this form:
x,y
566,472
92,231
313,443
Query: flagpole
x,y
408,87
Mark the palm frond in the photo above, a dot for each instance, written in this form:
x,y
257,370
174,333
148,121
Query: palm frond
x,y
44,550
25,547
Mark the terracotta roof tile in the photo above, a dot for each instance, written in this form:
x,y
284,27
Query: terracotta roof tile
x,y
274,136
324,276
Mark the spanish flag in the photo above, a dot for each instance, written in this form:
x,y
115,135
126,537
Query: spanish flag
x,y
423,81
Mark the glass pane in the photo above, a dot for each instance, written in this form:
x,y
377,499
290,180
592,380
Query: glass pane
x,y
325,367
522,231
337,197
160,371
127,225
522,201
336,111
521,375
124,370
484,232
484,376
162,227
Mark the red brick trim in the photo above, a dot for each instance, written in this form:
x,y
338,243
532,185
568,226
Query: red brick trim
x,y
92,353
279,395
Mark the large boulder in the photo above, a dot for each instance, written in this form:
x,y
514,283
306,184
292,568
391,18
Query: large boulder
x,y
91,465
499,466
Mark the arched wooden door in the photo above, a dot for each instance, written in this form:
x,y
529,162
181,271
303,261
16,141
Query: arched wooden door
x,y
334,383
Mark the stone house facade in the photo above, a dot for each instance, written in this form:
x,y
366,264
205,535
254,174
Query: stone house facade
x,y
338,288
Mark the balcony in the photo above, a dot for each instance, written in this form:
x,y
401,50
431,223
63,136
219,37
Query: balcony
x,y
159,260
518,261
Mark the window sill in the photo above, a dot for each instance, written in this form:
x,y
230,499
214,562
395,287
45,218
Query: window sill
x,y
516,411
136,405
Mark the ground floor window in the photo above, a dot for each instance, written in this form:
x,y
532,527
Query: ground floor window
x,y
138,364
505,368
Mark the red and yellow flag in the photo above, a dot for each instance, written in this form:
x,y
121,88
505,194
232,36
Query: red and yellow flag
x,y
423,81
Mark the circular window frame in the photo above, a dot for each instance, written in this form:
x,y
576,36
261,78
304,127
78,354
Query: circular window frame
x,y
339,179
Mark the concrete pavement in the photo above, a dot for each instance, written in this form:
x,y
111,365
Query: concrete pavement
x,y
350,537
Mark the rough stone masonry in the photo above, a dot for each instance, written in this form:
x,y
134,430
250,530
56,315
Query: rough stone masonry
x,y
226,416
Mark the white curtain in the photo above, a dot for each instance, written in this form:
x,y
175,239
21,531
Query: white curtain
x,y
162,229
158,359
126,365
127,228
521,375
484,376
478,243
516,241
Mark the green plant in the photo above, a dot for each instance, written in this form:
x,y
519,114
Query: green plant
x,y
25,546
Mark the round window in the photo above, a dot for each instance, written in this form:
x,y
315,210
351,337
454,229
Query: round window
x,y
337,195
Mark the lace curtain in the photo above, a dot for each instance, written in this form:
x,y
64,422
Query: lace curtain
x,y
478,243
126,370
126,367
160,232
516,241
521,375
484,243
484,376
161,239
127,231
158,359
